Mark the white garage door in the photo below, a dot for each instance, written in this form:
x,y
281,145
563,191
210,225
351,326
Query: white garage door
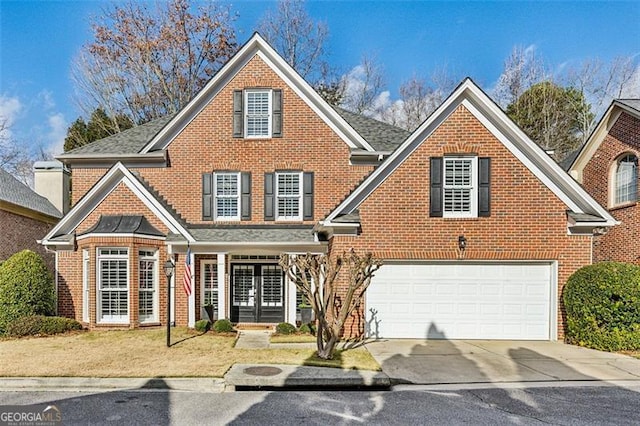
x,y
460,301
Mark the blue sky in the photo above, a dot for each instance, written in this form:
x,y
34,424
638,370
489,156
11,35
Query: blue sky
x,y
38,40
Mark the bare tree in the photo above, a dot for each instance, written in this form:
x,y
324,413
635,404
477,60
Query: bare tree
x,y
147,63
522,69
317,278
600,83
299,39
363,86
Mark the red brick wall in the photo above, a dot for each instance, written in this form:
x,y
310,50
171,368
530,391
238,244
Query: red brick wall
x,y
527,222
207,144
18,233
620,242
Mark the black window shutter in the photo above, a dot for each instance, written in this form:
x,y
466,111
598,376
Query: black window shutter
x,y
307,203
269,196
484,187
238,116
207,196
276,114
435,182
245,199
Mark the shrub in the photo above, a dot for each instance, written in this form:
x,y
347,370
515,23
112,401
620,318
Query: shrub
x,y
39,325
602,303
203,325
285,328
223,326
306,329
26,288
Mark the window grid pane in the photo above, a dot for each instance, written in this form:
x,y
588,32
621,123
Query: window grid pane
x,y
289,195
113,286
146,293
626,180
210,285
227,195
243,285
271,285
258,113
458,185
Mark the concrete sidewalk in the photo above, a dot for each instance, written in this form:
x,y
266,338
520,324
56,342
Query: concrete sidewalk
x,y
88,384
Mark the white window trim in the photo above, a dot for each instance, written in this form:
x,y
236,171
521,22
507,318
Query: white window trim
x,y
238,196
99,317
613,179
246,113
203,265
474,187
300,197
86,306
156,287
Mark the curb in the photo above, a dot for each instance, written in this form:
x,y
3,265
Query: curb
x,y
95,383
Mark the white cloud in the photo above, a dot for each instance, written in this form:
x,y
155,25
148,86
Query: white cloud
x,y
10,109
45,97
56,132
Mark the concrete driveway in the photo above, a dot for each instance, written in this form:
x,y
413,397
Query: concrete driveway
x,y
413,361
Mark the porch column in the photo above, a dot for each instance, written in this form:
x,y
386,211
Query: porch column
x,y
290,301
192,296
222,294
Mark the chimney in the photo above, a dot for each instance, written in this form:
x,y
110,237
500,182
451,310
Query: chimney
x,y
51,179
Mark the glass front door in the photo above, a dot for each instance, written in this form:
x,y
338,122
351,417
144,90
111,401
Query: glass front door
x,y
257,293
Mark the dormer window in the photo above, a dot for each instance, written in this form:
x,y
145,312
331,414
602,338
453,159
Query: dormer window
x,y
257,113
625,180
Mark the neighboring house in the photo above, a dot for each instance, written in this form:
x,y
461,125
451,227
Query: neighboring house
x,y
479,229
607,167
25,217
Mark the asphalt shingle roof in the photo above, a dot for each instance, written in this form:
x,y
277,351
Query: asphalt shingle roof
x,y
381,136
251,235
16,192
631,103
130,141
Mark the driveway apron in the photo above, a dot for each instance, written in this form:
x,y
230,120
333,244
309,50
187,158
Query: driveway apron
x,y
413,361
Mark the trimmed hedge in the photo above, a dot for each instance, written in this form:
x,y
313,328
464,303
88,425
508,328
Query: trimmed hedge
x,y
39,325
26,288
203,325
222,326
602,303
285,328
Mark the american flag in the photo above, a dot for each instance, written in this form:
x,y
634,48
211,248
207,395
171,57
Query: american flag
x,y
186,283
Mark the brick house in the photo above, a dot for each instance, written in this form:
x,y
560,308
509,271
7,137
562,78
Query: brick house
x,y
607,167
478,227
25,217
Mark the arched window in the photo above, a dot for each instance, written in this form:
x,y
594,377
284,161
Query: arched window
x,y
626,179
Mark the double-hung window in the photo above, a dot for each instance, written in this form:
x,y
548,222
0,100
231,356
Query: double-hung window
x,y
626,180
257,113
148,286
113,285
210,283
227,196
460,187
289,196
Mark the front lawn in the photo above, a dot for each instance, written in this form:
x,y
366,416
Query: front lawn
x,y
143,353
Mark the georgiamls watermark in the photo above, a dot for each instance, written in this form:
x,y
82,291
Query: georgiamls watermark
x,y
30,415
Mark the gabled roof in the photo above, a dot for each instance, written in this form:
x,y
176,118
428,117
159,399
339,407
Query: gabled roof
x,y
381,136
630,106
506,131
130,141
17,193
101,190
257,46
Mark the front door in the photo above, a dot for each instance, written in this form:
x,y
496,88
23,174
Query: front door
x,y
257,293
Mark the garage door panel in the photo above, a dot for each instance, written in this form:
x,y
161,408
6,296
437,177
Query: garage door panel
x,y
462,301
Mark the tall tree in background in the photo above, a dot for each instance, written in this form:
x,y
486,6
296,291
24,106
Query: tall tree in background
x,y
522,69
363,86
99,126
15,159
549,114
296,37
600,82
147,63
